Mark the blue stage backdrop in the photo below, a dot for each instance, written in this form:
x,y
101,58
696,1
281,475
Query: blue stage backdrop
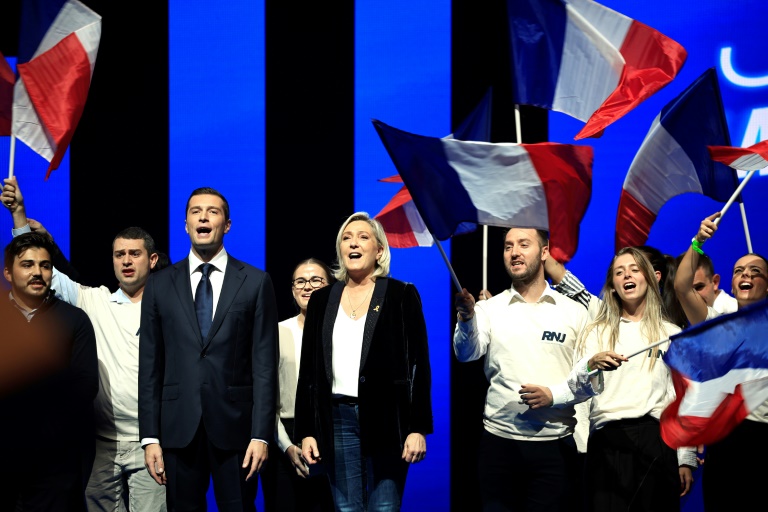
x,y
402,76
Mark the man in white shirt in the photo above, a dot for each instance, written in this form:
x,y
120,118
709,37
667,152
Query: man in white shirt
x,y
119,480
527,457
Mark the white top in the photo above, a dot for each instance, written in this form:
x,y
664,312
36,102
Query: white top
x,y
525,343
631,391
346,353
725,303
116,322
287,376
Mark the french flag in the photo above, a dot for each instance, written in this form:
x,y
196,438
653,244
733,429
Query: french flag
x,y
753,158
57,53
543,186
674,159
586,60
400,218
720,372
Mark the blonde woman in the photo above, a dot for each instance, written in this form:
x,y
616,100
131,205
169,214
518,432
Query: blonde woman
x,y
363,402
628,465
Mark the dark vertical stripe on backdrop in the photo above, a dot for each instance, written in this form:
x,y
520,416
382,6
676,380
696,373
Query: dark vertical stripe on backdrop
x,y
119,153
480,59
309,134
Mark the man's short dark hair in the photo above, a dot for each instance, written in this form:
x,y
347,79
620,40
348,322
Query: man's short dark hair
x,y
136,233
209,191
542,234
21,243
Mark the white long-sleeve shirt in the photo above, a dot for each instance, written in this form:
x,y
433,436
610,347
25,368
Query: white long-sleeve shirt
x,y
524,343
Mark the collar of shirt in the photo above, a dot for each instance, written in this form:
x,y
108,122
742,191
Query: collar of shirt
x,y
219,262
29,313
547,296
120,297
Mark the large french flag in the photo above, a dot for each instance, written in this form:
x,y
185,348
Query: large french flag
x,y
720,372
753,158
674,159
400,218
543,186
57,53
586,60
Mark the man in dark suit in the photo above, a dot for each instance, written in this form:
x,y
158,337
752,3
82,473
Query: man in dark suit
x,y
207,367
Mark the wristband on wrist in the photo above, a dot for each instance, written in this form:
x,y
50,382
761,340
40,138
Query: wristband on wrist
x,y
696,246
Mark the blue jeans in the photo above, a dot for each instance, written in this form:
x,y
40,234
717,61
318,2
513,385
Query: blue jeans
x,y
362,484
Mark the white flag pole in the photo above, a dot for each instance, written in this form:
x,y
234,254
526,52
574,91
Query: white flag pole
x,y
746,227
743,214
12,156
633,354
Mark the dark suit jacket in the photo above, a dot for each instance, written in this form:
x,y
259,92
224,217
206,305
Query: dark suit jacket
x,y
394,394
228,380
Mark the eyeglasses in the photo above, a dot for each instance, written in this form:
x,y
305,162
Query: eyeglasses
x,y
315,282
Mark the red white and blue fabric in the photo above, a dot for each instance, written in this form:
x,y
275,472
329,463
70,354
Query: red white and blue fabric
x,y
753,158
400,218
674,159
59,40
586,60
720,372
543,186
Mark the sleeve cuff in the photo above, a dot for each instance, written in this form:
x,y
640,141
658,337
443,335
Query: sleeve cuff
x,y
686,456
20,231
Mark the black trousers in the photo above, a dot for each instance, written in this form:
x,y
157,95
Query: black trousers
x,y
190,469
530,476
630,468
735,471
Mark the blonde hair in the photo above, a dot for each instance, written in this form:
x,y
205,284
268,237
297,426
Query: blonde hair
x,y
382,264
608,317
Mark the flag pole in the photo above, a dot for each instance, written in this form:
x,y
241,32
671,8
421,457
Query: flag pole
x,y
746,228
485,256
12,156
741,207
633,354
448,264
743,214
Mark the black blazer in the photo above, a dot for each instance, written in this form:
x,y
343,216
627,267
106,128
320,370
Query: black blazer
x,y
394,394
228,380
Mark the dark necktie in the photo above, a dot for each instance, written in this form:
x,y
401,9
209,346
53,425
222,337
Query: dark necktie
x,y
204,300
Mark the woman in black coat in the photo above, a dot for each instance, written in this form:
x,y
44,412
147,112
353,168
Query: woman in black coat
x,y
363,401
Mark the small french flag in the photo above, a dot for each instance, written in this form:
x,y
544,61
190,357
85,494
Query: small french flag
x,y
753,158
720,371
